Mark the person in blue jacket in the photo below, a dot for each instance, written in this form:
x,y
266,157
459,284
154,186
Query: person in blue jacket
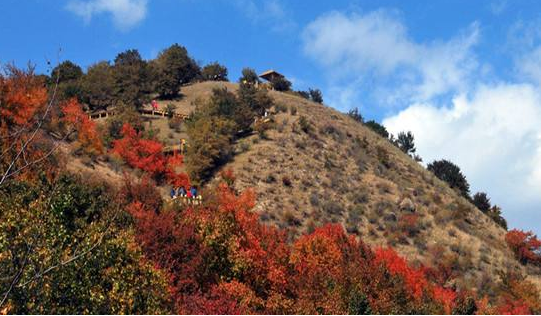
x,y
182,192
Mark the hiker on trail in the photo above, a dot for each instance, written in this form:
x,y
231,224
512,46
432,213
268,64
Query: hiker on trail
x,y
182,146
173,193
182,192
154,105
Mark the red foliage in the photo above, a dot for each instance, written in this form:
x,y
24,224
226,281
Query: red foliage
x,y
525,245
446,297
140,153
228,176
147,155
23,104
409,224
415,279
198,248
86,128
513,307
221,259
22,96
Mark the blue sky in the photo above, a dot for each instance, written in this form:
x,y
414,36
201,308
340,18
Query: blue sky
x,y
464,76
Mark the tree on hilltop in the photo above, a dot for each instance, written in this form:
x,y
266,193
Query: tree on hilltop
x,y
98,86
450,173
214,72
131,84
174,67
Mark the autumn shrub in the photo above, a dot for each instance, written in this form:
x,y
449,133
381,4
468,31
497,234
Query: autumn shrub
x,y
409,224
147,155
77,120
525,246
64,239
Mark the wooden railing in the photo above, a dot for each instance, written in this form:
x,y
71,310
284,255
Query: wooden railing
x,y
104,114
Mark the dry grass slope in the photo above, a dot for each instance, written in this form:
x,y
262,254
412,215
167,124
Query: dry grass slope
x,y
340,171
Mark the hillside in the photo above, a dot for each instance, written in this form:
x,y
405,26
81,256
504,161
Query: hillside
x,y
342,172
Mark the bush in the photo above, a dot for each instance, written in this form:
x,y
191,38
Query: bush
x,y
214,72
332,207
210,145
525,246
304,94
286,181
293,110
495,214
280,84
249,76
175,123
409,224
316,95
481,201
305,125
406,143
280,107
170,109
450,173
378,128
355,115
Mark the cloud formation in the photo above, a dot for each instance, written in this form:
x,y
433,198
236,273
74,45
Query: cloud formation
x,y
375,49
125,13
270,12
457,108
494,136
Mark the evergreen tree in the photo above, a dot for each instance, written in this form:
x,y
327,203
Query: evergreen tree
x,y
450,173
378,128
281,84
316,95
481,201
406,142
355,115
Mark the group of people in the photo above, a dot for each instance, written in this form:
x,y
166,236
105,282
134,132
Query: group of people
x,y
190,196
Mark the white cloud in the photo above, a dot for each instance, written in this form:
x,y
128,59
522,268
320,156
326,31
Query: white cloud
x,y
529,65
455,105
270,12
125,13
494,136
376,47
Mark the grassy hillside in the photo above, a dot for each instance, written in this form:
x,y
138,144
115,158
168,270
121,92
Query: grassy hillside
x,y
337,170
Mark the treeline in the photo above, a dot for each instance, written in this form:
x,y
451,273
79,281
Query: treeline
x,y
131,80
443,169
218,122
